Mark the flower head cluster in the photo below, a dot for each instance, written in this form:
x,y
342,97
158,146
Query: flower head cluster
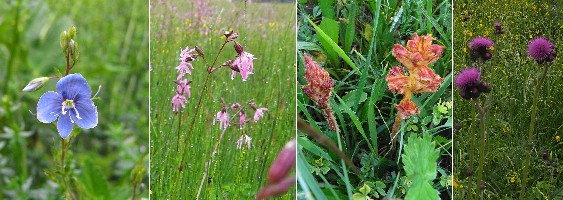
x,y
224,118
319,89
243,63
244,139
498,28
470,84
71,104
183,85
416,56
481,48
319,84
541,50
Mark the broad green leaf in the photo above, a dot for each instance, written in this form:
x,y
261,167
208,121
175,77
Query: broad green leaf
x,y
420,163
332,30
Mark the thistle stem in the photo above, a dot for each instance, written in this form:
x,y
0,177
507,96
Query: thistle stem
x,y
472,150
531,139
482,145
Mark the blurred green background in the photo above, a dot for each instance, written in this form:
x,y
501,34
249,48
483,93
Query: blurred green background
x,y
113,41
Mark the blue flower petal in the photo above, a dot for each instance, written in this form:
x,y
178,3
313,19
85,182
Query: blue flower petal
x,y
74,86
64,125
49,107
87,112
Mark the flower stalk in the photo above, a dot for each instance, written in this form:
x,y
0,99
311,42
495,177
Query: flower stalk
x,y
531,138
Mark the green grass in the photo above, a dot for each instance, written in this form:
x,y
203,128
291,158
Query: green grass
x,y
113,41
267,31
353,41
512,75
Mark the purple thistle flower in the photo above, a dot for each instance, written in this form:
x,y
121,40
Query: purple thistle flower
x,y
540,49
223,118
71,104
244,64
467,76
244,139
468,81
178,100
259,113
480,48
498,28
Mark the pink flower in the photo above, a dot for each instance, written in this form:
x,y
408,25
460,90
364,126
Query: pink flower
x,y
244,139
183,87
244,64
235,106
242,119
223,119
178,100
259,113
186,57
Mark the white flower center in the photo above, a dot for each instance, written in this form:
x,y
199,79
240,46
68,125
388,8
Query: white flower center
x,y
69,104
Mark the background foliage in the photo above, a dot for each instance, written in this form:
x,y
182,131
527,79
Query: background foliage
x,y
113,42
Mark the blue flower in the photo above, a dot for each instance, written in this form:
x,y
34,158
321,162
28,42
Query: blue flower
x,y
71,104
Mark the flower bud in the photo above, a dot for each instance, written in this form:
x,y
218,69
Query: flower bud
x,y
35,84
468,172
73,48
272,190
230,36
484,87
64,41
239,48
72,32
283,163
199,51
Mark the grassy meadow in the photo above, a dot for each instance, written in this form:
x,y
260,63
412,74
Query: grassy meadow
x,y
353,41
102,162
512,74
267,31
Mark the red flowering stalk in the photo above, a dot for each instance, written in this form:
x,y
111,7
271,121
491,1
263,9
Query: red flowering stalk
x,y
416,56
319,87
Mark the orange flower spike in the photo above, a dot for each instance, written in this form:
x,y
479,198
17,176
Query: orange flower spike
x,y
319,84
419,52
407,108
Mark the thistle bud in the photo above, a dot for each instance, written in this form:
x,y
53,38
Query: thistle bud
x,y
238,48
72,32
64,41
35,84
283,163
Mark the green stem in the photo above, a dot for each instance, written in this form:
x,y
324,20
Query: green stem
x,y
482,146
531,131
179,125
472,150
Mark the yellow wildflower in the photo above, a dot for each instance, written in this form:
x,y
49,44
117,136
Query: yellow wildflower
x,y
557,138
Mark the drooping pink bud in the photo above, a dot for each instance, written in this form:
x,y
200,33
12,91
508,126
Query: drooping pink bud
x,y
283,163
